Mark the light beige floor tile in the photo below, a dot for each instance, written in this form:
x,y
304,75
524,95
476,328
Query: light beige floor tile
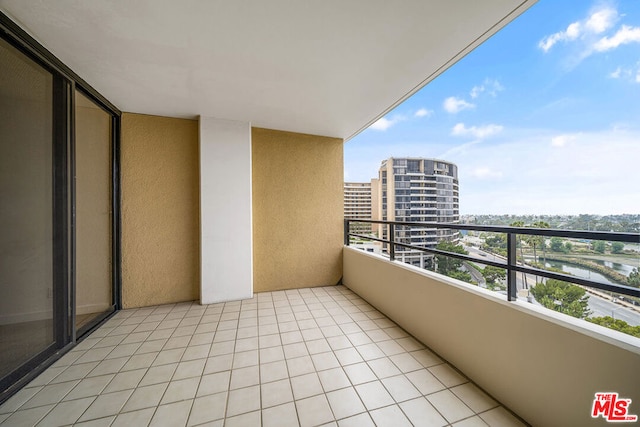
x,y
313,334
220,348
66,413
306,385
452,408
196,352
345,403
243,400
189,369
470,422
125,380
292,351
348,356
145,397
154,346
500,417
246,344
172,415
250,419
271,354
291,337
280,416
359,373
75,372
244,377
180,390
18,399
135,418
218,363
300,366
47,376
49,394
314,411
214,383
123,350
106,404
370,351
425,381
383,367
139,361
166,357
318,346
276,393
159,374
361,420
245,358
89,387
421,413
172,343
474,398
27,417
109,366
333,379
338,343
426,358
324,361
405,362
390,416
273,371
400,388
208,408
447,375
374,395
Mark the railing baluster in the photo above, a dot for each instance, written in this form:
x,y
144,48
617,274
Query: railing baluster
x,y
346,232
392,242
512,288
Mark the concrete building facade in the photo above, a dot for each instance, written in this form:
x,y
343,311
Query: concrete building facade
x,y
413,189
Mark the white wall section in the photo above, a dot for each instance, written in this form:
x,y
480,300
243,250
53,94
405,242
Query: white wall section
x,y
225,211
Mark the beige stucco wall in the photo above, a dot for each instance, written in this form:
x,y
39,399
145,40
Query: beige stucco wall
x,y
544,366
160,210
297,210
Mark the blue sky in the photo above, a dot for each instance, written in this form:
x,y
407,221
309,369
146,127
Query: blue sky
x,y
543,118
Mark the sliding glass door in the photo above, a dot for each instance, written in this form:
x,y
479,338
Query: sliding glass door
x,y
27,291
59,208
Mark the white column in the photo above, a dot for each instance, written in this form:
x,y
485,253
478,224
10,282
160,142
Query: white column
x,y
226,259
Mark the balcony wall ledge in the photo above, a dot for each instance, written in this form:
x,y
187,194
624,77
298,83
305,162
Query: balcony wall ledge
x,y
545,366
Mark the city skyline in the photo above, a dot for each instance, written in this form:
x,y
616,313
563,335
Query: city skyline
x,y
540,119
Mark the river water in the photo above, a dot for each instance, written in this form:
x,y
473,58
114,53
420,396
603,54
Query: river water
x,y
579,272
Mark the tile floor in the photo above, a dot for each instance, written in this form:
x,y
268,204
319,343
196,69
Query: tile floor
x,y
306,357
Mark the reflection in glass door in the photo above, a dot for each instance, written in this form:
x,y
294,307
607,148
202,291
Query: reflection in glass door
x,y
93,183
27,291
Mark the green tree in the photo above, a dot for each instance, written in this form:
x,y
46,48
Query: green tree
x,y
616,324
492,274
634,278
563,297
599,246
448,264
568,246
557,244
617,247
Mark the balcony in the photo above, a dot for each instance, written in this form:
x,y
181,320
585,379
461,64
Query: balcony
x,y
303,357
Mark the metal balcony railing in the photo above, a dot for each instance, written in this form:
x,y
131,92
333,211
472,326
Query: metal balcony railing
x,y
510,265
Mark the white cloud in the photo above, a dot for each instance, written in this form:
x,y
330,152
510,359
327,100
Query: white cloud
x,y
601,20
383,124
630,74
597,22
454,105
478,132
491,87
624,35
616,74
423,112
562,140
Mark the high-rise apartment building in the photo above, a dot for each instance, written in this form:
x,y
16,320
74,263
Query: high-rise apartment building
x,y
357,204
417,190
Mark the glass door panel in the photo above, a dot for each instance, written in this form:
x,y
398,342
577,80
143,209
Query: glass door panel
x,y
94,285
26,210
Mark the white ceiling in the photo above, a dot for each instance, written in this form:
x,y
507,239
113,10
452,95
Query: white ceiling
x,y
326,67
